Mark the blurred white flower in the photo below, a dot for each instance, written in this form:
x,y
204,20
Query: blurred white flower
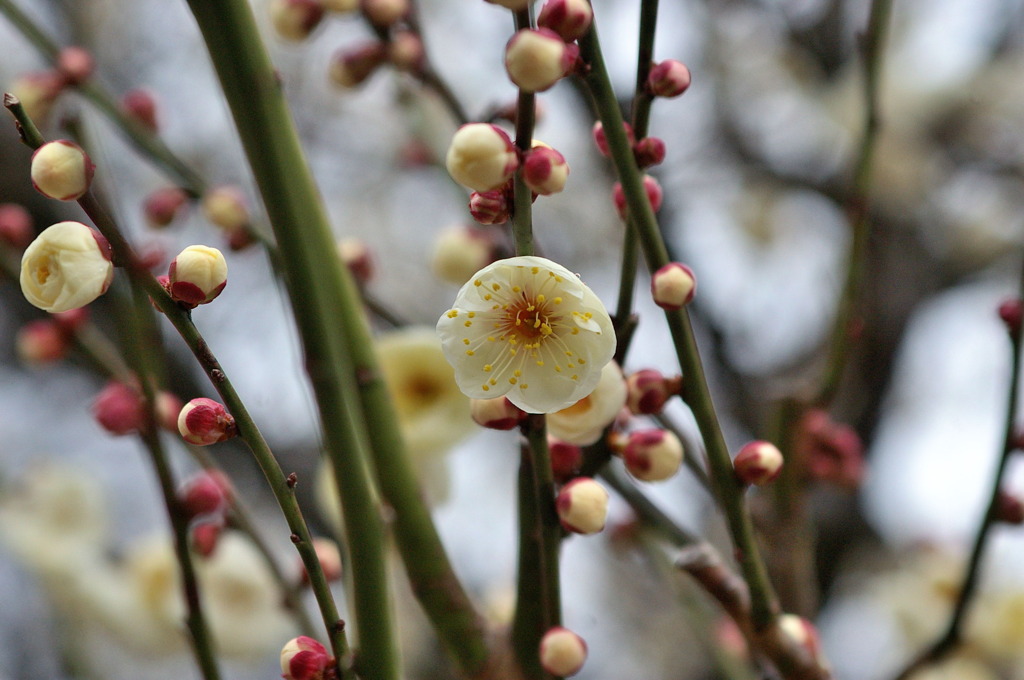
x,y
583,422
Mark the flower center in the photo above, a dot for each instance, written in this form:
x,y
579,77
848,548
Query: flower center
x,y
527,321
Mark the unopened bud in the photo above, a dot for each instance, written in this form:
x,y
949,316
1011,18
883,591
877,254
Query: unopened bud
x,y
119,409
197,275
405,51
568,18
669,78
71,321
601,139
459,253
356,255
383,13
41,342
140,106
489,207
544,170
75,65
203,421
562,652
653,455
649,151
352,66
205,536
15,226
329,557
566,459
802,633
673,286
61,170
206,493
655,196
303,658
582,506
536,59
341,6
496,414
1008,509
481,156
295,19
163,205
1012,313
757,463
37,93
225,207
649,390
167,408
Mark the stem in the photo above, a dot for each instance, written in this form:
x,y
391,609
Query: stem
x,y
649,513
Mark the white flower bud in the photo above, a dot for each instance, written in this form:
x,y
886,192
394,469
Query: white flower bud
x,y
536,59
758,463
383,13
481,157
295,19
67,266
197,275
225,207
460,252
582,506
653,455
673,286
61,170
496,414
562,652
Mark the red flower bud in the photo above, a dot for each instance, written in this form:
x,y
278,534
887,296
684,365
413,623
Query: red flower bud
x,y
669,78
119,409
204,421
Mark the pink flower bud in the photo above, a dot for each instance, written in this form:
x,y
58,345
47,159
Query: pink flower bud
x,y
1012,313
163,205
496,414
75,65
536,59
15,226
405,51
582,506
119,409
653,455
167,408
383,13
544,170
37,93
481,156
601,140
303,658
566,459
197,275
329,556
357,257
673,286
203,421
239,239
757,463
568,18
41,342
204,536
460,252
654,196
206,493
295,19
352,66
61,170
828,451
669,78
1008,509
649,151
562,652
71,321
649,390
140,105
489,207
225,207
802,633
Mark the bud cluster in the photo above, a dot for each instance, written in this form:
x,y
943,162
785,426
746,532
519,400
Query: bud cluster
x,y
204,500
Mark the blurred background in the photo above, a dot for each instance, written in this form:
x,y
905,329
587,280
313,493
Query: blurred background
x,y
760,153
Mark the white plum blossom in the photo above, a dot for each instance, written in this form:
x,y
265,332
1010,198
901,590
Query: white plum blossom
x,y
67,266
527,328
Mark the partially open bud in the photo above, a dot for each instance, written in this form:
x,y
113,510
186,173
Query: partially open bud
x,y
585,421
536,59
37,93
207,493
757,463
544,170
566,459
496,414
481,156
655,196
119,409
303,658
649,151
383,13
356,255
669,78
405,51
350,67
649,390
67,266
673,286
601,140
197,275
489,207
329,556
15,226
582,506
562,652
61,170
41,342
459,253
568,18
140,106
75,65
653,455
1008,509
203,421
225,207
163,205
295,19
